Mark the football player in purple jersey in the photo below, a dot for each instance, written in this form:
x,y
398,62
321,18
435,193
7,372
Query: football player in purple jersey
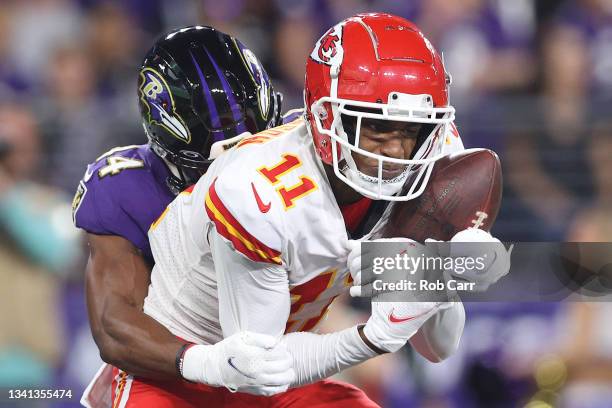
x,y
199,91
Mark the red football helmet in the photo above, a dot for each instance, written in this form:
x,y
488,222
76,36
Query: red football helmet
x,y
377,66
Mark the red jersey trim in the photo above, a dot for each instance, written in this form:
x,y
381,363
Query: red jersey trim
x,y
231,230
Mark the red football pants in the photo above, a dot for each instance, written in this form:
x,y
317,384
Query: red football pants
x,y
130,392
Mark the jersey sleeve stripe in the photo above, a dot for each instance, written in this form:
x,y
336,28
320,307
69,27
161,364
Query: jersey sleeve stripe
x,y
231,230
159,219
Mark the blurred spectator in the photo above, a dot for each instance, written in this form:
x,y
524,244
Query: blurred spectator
x,y
112,46
36,239
494,364
600,153
295,40
78,124
34,215
586,357
593,223
489,50
11,80
552,168
486,49
36,27
579,373
253,22
176,14
585,26
586,348
547,162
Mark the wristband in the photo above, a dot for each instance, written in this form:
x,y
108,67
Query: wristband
x,y
368,342
180,355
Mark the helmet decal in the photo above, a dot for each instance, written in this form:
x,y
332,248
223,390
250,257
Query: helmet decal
x,y
210,103
229,94
260,78
156,96
328,50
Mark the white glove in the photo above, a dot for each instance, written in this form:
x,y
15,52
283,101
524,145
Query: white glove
x,y
246,362
496,258
392,324
355,257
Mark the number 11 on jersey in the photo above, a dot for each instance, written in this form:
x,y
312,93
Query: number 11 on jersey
x,y
292,193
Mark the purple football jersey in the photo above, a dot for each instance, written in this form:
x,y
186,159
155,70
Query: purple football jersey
x,y
122,193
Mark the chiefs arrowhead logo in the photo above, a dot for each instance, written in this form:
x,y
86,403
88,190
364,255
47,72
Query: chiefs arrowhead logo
x,y
327,49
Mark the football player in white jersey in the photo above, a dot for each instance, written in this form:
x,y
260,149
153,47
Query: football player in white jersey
x,y
261,242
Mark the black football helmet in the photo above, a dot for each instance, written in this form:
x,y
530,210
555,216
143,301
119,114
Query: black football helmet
x,y
198,86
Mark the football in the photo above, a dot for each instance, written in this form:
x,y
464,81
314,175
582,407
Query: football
x,y
464,190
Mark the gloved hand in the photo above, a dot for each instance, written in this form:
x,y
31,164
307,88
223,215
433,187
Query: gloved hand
x,y
246,362
476,243
396,315
356,259
392,324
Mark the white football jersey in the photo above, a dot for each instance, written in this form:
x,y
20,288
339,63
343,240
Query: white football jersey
x,y
270,200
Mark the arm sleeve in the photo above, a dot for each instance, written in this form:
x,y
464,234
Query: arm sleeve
x,y
439,337
318,356
254,296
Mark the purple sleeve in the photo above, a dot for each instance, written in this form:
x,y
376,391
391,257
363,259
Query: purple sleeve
x,y
123,204
101,212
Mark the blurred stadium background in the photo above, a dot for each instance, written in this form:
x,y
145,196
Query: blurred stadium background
x,y
532,80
